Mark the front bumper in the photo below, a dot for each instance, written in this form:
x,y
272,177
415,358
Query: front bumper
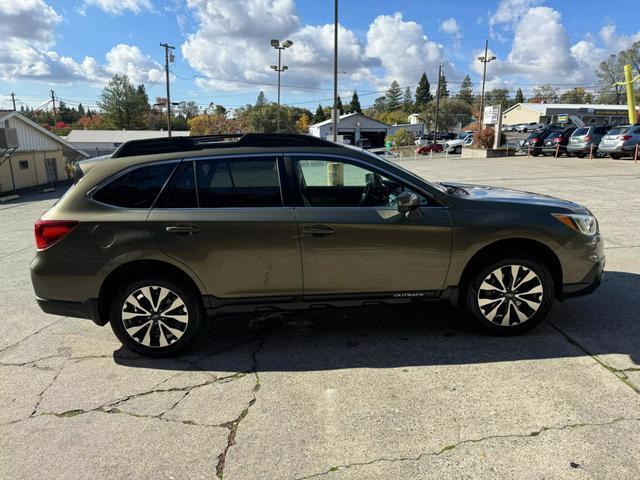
x,y
89,309
589,284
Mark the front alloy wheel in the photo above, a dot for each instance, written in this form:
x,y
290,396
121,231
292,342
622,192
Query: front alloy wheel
x,y
510,295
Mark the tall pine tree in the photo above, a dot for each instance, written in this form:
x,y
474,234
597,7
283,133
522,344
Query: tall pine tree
x,y
423,93
444,90
319,116
339,105
407,101
519,96
354,106
466,90
393,97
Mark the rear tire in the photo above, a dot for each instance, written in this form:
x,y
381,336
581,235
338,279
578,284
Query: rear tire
x,y
616,156
580,155
510,295
156,317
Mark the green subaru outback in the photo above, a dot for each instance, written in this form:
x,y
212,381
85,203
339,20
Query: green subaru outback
x,y
166,232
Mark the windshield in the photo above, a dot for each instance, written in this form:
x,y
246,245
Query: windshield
x,y
580,132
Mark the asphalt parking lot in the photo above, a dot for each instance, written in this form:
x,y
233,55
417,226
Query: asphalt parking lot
x,y
397,392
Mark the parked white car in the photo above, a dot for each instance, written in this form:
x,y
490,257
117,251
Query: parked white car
x,y
455,146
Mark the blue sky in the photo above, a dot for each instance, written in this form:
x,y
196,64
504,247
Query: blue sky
x,y
223,54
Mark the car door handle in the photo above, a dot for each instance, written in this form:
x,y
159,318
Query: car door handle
x,y
183,229
318,230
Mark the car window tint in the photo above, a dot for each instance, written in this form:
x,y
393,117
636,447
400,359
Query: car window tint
x,y
182,189
617,131
137,188
580,131
341,184
238,183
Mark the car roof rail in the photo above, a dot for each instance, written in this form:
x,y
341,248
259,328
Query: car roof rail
x,y
202,142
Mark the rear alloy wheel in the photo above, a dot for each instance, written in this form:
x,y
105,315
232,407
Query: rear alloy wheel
x,y
156,318
510,296
616,156
457,150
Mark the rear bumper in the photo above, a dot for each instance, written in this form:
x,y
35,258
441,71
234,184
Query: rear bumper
x,y
589,284
89,309
581,148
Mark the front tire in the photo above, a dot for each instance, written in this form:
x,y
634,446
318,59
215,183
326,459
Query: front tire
x,y
510,295
156,317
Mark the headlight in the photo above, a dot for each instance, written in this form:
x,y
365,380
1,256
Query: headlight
x,y
586,224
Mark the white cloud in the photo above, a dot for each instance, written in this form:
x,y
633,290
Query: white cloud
x,y
451,27
129,60
403,50
232,42
615,42
117,7
509,12
32,20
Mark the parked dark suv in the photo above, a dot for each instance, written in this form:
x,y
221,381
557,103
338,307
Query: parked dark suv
x,y
556,142
167,231
534,143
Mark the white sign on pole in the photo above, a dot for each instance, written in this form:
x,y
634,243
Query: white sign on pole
x,y
490,115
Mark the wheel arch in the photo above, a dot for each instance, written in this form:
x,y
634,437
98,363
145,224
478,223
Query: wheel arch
x,y
137,269
520,247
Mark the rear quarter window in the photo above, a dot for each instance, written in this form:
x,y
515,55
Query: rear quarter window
x,y
137,188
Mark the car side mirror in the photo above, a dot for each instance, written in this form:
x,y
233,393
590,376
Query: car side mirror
x,y
408,201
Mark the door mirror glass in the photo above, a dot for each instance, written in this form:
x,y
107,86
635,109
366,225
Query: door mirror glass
x,y
407,201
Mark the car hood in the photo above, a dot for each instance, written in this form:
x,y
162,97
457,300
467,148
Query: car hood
x,y
500,197
455,142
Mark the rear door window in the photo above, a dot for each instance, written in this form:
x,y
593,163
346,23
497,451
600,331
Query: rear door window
x,y
181,192
137,188
246,182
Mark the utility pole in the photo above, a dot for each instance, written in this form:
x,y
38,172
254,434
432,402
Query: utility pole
x,y
168,58
53,100
13,100
435,128
484,60
334,110
279,68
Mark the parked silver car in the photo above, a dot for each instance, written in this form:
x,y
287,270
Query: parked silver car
x,y
584,139
620,141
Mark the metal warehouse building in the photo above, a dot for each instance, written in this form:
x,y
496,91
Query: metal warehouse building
x,y
548,113
30,155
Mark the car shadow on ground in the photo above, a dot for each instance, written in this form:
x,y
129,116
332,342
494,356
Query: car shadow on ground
x,y
606,322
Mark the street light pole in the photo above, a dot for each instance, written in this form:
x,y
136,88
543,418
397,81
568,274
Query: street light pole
x,y
279,68
484,60
334,111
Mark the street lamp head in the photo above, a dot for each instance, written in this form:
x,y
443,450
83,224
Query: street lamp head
x,y
274,67
481,59
493,58
275,43
284,67
287,43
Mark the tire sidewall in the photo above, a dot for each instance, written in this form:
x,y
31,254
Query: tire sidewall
x,y
191,300
471,294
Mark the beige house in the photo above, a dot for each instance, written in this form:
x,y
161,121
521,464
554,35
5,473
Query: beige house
x,y
39,159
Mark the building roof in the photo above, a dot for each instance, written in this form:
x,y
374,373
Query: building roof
x,y
542,108
6,115
119,136
348,115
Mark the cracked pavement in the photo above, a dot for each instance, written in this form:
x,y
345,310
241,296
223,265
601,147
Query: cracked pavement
x,y
386,392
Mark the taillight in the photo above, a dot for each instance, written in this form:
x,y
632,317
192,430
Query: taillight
x,y
535,140
49,232
588,138
558,139
624,138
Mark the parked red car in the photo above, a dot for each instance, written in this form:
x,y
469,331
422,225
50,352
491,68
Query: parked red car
x,y
430,147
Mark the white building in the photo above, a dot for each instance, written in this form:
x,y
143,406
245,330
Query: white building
x,y
104,142
39,158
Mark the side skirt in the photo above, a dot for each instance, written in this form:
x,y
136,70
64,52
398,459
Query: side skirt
x,y
216,306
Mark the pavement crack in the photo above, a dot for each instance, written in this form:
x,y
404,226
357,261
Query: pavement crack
x,y
469,441
619,374
41,395
234,424
2,350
